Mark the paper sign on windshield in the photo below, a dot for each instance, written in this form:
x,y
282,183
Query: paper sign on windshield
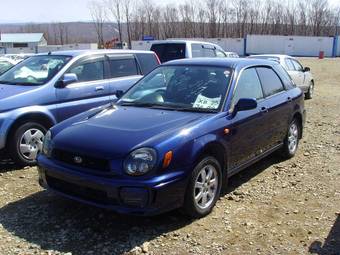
x,y
206,102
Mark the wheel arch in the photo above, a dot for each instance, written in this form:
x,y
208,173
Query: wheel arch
x,y
298,117
41,118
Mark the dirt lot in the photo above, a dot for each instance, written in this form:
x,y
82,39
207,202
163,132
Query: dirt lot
x,y
274,207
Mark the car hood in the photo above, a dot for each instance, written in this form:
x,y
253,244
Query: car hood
x,y
114,132
7,91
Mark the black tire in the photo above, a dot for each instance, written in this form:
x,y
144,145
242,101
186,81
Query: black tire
x,y
190,207
15,140
310,92
286,151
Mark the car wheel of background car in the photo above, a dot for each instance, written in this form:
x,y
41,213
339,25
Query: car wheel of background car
x,y
309,94
26,143
291,141
204,188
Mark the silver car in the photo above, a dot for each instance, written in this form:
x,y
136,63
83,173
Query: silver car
x,y
301,76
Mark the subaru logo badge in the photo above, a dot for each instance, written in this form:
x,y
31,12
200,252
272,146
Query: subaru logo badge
x,y
77,160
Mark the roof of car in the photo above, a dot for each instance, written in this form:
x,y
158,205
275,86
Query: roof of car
x,y
272,55
181,41
222,62
75,53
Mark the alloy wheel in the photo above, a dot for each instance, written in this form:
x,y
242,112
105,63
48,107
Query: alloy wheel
x,y
206,186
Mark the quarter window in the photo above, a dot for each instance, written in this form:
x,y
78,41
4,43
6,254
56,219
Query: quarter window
x,y
89,71
271,83
248,86
123,67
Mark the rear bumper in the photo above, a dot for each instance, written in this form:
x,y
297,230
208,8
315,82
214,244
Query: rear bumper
x,y
139,197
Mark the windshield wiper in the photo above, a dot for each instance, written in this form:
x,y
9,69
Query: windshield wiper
x,y
148,105
191,109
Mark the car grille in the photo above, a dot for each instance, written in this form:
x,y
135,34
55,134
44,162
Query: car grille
x,y
97,164
85,193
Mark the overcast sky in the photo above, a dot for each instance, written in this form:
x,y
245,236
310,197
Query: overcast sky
x,y
51,10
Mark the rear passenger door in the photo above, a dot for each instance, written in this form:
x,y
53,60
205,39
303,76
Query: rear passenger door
x,y
279,104
92,88
124,71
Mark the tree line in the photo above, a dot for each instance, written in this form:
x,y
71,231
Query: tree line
x,y
215,18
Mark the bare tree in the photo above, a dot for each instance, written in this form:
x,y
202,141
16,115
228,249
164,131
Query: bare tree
x,y
115,7
98,14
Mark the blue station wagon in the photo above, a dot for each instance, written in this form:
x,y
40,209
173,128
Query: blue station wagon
x,y
175,137
48,88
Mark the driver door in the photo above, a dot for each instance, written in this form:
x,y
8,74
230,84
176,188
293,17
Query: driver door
x,y
249,134
91,90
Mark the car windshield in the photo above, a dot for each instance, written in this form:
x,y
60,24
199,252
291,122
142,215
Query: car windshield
x,y
35,70
186,88
4,66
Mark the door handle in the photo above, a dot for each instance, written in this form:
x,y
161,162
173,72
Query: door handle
x,y
264,109
100,88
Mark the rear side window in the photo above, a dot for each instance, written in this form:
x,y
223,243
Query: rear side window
x,y
289,65
123,67
169,51
89,70
248,86
271,83
147,62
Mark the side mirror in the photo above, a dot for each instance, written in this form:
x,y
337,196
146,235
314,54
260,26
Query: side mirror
x,y
306,69
245,104
119,93
67,79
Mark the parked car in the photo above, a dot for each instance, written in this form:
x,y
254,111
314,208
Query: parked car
x,y
178,49
48,88
175,137
230,54
6,64
301,76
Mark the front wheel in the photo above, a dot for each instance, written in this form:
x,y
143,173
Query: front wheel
x,y
291,141
204,188
26,143
310,92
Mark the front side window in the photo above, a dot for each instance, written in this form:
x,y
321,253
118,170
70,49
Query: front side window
x,y
271,83
91,70
123,67
248,86
36,70
191,88
298,67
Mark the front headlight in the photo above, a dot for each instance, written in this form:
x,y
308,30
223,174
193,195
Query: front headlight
x,y
47,145
140,161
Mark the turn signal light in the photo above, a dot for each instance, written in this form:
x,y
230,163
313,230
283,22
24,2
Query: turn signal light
x,y
167,159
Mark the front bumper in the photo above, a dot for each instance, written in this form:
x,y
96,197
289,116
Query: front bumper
x,y
139,197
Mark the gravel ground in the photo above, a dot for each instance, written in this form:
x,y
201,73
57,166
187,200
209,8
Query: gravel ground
x,y
273,207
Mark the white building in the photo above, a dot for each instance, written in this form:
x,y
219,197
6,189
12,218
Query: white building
x,y
22,40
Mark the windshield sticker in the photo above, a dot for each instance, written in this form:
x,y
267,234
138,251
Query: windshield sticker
x,y
206,102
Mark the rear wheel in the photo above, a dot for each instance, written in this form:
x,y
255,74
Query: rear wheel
x,y
204,188
26,142
310,92
291,141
